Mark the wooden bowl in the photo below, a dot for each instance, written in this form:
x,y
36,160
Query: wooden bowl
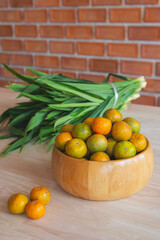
x,y
101,181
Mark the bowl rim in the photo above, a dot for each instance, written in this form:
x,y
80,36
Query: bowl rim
x,y
106,162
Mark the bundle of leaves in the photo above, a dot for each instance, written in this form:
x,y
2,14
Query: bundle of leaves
x,y
55,100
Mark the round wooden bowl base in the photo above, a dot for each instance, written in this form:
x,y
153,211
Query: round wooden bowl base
x,y
102,181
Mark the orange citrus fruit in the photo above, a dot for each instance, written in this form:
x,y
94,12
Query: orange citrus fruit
x,y
81,131
76,148
89,121
121,131
61,140
35,209
124,149
101,125
110,147
66,128
100,156
133,123
40,193
139,141
17,203
113,115
97,143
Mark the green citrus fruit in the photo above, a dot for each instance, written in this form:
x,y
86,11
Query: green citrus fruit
x,y
133,123
97,143
113,115
124,149
110,147
76,148
81,131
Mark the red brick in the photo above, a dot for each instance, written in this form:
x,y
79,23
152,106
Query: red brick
x,y
137,68
3,3
21,59
7,74
152,14
4,58
106,2
153,85
67,74
21,3
147,33
92,15
80,32
52,31
10,16
26,31
91,48
75,3
47,61
125,15
47,3
5,31
104,65
140,2
114,79
92,77
123,49
12,45
110,32
146,100
4,83
150,51
63,15
74,63
33,74
35,46
158,69
159,101
62,47
35,15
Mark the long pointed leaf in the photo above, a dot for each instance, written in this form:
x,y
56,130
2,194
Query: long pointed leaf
x,y
36,72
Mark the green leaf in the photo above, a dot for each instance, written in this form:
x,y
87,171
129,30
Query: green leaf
x,y
36,72
69,89
16,144
37,97
52,140
36,120
117,76
18,75
21,117
4,115
66,105
29,89
51,115
6,136
43,139
45,131
16,132
17,87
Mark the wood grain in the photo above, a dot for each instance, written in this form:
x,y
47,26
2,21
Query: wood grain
x,y
68,217
102,181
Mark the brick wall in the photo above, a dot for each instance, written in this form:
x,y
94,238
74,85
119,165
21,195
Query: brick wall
x,y
83,38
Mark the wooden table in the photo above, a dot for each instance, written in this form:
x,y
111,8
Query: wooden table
x,y
67,217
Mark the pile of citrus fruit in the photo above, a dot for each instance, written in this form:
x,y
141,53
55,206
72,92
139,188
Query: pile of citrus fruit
x,y
102,138
35,209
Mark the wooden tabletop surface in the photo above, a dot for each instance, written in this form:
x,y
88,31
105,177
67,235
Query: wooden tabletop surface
x,y
68,217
